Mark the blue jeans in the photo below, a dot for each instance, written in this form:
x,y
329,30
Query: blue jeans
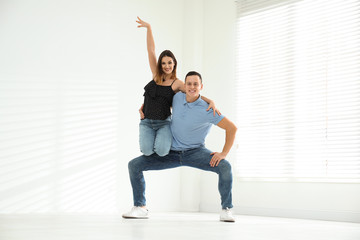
x,y
155,136
197,158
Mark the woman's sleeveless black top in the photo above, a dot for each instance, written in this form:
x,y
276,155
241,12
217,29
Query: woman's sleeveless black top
x,y
157,101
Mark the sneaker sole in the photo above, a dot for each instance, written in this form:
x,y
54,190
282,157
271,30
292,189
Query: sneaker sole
x,y
128,217
222,220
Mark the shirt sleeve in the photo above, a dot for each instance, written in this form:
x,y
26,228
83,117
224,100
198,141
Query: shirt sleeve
x,y
213,119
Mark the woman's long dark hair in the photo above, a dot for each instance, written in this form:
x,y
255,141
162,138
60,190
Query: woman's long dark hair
x,y
159,72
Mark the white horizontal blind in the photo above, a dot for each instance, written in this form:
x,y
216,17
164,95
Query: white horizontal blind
x,y
58,144
298,90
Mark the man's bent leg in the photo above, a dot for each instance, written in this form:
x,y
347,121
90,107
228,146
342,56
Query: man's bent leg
x,y
200,158
145,163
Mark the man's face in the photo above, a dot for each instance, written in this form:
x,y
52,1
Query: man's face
x,y
193,86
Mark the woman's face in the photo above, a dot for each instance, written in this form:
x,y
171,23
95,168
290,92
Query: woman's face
x,y
167,65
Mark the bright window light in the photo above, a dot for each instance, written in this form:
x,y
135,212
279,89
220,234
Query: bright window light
x,y
298,90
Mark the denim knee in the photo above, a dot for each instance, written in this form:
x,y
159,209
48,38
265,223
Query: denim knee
x,y
146,146
225,167
147,152
133,165
162,152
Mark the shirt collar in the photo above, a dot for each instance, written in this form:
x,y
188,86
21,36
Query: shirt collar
x,y
192,103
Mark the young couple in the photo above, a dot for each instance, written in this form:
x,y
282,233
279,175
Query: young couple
x,y
169,142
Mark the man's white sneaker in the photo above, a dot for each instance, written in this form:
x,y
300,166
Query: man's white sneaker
x,y
226,215
137,212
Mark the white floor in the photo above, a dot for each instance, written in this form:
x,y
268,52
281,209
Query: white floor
x,y
171,226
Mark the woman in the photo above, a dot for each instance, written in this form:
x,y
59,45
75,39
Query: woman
x,y
155,133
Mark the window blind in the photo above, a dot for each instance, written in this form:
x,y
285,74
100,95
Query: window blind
x,y
298,90
58,144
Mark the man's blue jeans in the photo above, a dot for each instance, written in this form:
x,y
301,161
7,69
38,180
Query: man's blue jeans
x,y
197,158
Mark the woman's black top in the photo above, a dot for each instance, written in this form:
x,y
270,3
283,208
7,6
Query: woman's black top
x,y
157,101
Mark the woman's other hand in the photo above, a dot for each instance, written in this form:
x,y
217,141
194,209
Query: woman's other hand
x,y
142,116
212,105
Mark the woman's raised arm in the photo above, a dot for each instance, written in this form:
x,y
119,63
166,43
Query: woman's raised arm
x,y
150,45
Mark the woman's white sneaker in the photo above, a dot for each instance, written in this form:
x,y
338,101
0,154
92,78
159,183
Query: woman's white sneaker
x,y
137,212
226,215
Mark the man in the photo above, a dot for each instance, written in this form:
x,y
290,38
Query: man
x,y
190,125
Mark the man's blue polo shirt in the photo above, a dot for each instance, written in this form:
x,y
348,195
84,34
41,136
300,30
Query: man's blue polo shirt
x,y
190,122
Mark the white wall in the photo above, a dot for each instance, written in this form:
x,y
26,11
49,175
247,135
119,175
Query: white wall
x,y
50,50
329,201
61,59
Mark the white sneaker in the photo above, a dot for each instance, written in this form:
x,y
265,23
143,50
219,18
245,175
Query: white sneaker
x,y
137,212
226,215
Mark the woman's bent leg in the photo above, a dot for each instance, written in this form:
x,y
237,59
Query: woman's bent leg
x,y
146,138
163,140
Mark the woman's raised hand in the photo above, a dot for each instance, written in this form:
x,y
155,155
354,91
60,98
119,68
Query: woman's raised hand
x,y
142,23
150,43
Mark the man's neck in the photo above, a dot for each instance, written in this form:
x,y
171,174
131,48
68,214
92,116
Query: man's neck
x,y
191,99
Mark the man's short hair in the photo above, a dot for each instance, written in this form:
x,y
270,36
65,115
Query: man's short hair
x,y
193,73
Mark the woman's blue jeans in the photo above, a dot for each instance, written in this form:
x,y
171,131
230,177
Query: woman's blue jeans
x,y
155,136
197,158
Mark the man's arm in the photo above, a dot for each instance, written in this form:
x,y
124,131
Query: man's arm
x,y
230,130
